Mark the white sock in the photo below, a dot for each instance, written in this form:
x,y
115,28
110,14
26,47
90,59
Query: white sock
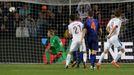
x,y
85,57
68,59
118,56
101,57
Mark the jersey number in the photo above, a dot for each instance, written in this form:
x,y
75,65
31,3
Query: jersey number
x,y
93,26
76,29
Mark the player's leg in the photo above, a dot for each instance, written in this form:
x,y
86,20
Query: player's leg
x,y
122,50
47,52
94,48
84,59
74,54
62,57
74,61
68,59
73,47
92,59
118,44
79,58
106,48
101,58
83,50
47,57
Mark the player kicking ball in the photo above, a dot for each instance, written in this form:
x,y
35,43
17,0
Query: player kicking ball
x,y
75,29
113,28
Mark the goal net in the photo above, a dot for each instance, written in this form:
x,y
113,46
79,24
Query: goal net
x,y
24,26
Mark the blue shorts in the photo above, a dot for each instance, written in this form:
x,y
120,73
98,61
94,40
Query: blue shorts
x,y
92,43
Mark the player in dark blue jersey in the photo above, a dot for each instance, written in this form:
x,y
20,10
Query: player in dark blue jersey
x,y
91,29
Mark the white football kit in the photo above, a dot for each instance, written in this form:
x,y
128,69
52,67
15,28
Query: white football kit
x,y
114,40
75,29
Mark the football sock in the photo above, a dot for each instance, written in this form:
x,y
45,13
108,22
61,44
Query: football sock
x,y
68,59
85,57
80,57
101,58
118,56
92,59
74,55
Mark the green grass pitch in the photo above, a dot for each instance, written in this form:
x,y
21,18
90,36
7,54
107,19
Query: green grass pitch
x,y
58,69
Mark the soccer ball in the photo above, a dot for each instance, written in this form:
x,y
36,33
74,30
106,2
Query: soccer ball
x,y
12,9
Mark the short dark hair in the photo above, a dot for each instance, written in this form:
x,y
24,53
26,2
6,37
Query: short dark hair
x,y
117,13
90,13
74,17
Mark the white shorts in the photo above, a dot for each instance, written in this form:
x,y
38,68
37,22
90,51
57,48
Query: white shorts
x,y
76,44
114,40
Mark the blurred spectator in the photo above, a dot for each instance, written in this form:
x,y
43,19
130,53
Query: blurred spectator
x,y
83,9
1,10
4,16
127,19
128,11
97,13
22,30
17,20
61,19
30,23
6,6
11,19
47,14
24,11
8,18
4,23
42,25
1,20
46,18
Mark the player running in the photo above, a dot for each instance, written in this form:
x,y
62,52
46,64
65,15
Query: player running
x,y
75,29
91,28
113,28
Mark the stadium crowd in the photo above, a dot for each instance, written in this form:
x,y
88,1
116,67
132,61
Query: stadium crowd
x,y
33,20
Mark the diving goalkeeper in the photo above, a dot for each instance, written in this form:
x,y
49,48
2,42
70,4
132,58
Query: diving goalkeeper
x,y
55,48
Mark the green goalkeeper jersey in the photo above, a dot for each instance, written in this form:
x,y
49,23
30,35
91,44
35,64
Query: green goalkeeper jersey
x,y
56,45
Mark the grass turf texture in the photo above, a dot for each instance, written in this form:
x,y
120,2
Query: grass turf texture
x,y
58,69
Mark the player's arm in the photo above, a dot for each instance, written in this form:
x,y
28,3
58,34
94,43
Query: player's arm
x,y
48,48
113,29
59,50
108,29
69,32
84,31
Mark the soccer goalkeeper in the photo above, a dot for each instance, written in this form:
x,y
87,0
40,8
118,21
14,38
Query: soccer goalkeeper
x,y
55,48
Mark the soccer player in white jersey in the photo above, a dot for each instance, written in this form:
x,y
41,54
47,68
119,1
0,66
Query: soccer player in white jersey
x,y
113,28
75,29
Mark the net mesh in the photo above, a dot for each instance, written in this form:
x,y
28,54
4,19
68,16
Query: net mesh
x,y
22,30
